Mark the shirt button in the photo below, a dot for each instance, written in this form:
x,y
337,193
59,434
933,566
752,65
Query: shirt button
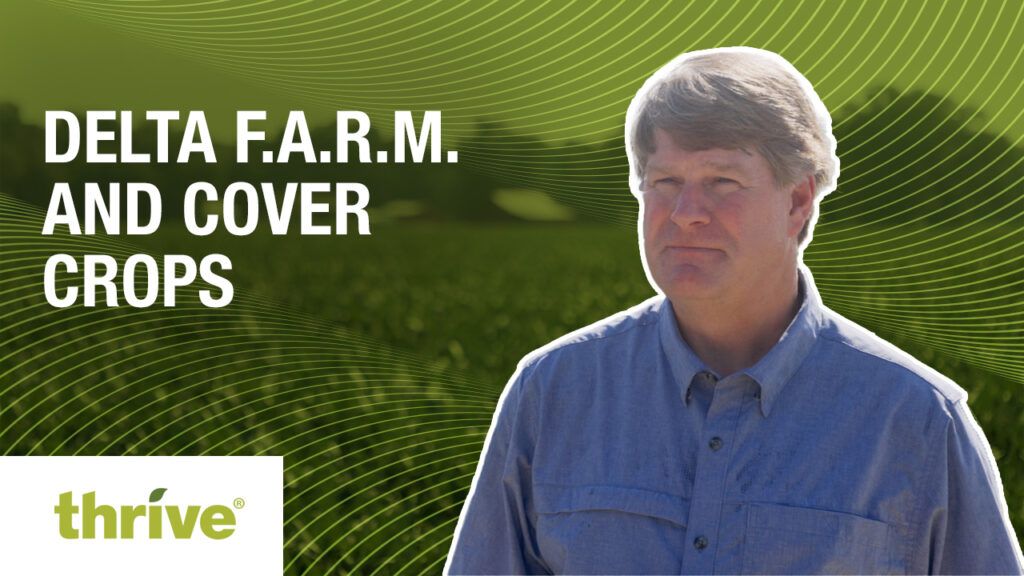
x,y
715,443
700,542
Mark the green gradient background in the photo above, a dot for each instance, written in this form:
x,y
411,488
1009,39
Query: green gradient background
x,y
373,364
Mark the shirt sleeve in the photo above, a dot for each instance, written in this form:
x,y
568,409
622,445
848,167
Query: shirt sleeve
x,y
966,523
495,533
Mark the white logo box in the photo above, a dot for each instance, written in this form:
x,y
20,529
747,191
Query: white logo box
x,y
250,486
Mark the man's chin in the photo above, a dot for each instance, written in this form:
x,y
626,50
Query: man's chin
x,y
691,285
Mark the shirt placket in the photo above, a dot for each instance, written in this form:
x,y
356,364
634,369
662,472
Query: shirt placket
x,y
713,455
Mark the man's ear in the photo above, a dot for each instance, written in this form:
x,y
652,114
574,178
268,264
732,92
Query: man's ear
x,y
801,198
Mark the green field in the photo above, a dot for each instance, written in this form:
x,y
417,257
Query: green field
x,y
373,364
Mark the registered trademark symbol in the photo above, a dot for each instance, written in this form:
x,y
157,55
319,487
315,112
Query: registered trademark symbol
x,y
238,503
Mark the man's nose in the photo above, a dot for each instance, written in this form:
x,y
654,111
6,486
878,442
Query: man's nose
x,y
691,206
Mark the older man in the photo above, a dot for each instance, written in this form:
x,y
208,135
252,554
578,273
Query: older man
x,y
733,423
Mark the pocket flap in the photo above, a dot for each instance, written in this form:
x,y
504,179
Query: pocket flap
x,y
554,498
847,527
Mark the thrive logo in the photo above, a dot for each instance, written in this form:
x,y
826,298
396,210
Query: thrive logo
x,y
216,522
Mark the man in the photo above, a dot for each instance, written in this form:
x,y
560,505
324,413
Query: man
x,y
733,423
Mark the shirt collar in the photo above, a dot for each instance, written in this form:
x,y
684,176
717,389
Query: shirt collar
x,y
683,362
775,368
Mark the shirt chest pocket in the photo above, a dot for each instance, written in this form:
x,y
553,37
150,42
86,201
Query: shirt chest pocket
x,y
793,540
609,529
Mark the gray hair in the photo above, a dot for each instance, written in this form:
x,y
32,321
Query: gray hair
x,y
734,98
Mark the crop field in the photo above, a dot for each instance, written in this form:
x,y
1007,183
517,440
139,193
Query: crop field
x,y
373,364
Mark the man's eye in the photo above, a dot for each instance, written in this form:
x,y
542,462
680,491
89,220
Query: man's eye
x,y
664,184
721,180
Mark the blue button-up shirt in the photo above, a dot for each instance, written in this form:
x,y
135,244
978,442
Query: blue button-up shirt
x,y
616,450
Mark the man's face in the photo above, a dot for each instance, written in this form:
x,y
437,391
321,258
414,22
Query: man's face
x,y
715,223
